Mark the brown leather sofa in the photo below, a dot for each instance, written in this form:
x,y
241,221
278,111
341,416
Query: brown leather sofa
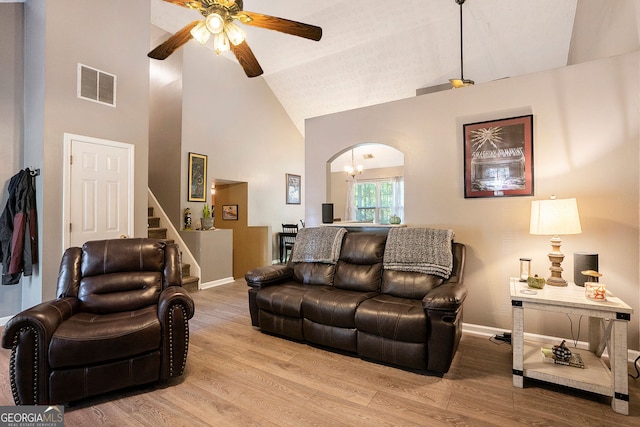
x,y
120,319
404,318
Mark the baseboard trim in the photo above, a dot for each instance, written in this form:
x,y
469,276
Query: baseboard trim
x,y
215,283
487,331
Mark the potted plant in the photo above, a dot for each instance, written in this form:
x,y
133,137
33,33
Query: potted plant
x,y
206,222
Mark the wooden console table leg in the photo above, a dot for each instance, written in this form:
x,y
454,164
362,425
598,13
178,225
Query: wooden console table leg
x,y
517,343
619,370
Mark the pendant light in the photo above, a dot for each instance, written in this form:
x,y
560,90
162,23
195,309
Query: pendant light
x,y
461,82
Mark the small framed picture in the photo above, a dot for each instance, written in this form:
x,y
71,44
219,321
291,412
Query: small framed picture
x,y
230,212
197,178
293,189
498,158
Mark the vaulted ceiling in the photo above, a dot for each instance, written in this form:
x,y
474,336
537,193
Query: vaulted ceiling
x,y
375,51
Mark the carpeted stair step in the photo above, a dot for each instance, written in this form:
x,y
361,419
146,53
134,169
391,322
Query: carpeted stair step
x,y
157,233
190,283
153,222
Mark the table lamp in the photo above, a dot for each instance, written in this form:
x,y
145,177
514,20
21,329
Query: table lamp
x,y
555,217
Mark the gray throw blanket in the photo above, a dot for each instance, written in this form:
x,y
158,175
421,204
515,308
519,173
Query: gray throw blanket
x,y
421,250
318,244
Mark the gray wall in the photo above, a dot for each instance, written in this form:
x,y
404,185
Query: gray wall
x,y
11,119
585,146
59,35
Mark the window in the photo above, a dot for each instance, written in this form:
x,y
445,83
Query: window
x,y
374,200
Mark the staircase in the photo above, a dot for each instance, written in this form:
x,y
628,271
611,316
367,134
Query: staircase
x,y
154,231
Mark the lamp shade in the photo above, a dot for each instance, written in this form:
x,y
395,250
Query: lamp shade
x,y
555,217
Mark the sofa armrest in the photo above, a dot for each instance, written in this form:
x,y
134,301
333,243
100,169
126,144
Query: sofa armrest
x,y
175,295
443,307
175,308
446,297
28,334
44,317
268,275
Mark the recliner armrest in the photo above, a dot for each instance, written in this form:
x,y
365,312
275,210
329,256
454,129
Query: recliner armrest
x,y
44,317
268,275
175,295
446,297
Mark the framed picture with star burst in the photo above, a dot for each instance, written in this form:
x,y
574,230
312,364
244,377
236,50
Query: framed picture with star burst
x,y
498,158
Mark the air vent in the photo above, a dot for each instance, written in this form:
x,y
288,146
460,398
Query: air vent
x,y
95,85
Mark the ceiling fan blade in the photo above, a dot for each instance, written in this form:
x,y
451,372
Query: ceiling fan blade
x,y
246,59
188,4
280,24
174,42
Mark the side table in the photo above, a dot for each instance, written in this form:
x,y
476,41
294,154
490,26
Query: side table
x,y
608,321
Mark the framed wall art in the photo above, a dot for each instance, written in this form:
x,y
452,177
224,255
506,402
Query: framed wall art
x,y
197,178
498,158
230,212
293,189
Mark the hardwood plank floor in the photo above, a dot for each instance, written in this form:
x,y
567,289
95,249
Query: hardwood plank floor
x,y
238,376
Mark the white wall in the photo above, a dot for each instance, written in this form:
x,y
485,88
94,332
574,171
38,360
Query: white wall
x,y
585,146
246,134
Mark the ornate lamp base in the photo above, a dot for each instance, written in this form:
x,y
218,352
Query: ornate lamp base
x,y
556,257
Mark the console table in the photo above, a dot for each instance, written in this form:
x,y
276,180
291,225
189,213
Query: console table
x,y
608,321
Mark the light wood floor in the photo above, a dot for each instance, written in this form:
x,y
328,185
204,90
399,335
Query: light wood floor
x,y
238,376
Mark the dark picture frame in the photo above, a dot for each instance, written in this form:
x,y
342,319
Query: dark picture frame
x,y
197,186
230,212
498,157
293,188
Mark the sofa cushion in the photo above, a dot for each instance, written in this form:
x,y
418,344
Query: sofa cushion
x,y
407,354
284,299
87,339
399,319
360,265
313,273
332,306
408,284
114,292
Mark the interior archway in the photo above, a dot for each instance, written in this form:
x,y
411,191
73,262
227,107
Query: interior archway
x,y
382,168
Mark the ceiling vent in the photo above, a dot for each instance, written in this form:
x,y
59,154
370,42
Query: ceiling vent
x,y
95,85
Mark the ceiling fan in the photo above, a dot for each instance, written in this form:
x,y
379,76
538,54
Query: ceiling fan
x,y
219,22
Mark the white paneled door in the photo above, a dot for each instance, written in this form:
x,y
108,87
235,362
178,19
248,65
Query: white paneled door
x,y
99,188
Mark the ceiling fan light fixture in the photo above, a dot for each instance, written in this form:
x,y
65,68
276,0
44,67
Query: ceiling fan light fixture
x,y
458,83
461,82
235,34
220,43
215,23
201,33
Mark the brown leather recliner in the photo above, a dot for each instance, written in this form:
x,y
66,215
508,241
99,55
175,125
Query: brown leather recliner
x,y
120,319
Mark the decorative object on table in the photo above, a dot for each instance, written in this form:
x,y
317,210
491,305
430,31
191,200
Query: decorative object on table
x,y
197,178
525,269
498,158
583,261
574,360
394,219
187,219
206,222
561,352
593,289
536,282
555,217
230,212
327,213
293,189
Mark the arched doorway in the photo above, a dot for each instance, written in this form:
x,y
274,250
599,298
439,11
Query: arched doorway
x,y
372,194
